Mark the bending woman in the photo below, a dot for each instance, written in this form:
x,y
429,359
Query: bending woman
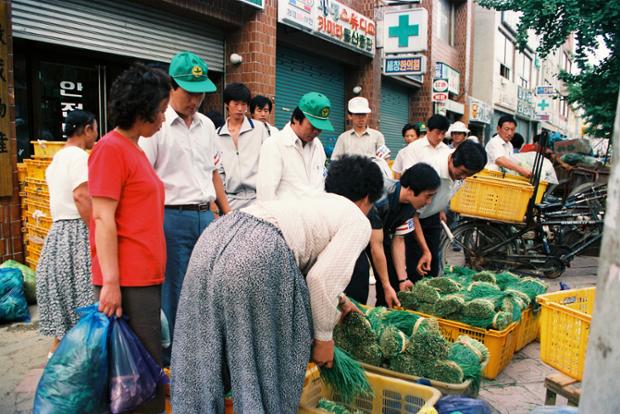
x,y
63,272
261,293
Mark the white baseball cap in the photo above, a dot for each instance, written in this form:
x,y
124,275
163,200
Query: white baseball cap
x,y
359,105
458,126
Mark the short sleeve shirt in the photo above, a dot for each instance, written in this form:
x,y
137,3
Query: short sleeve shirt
x,y
496,148
66,172
119,170
389,214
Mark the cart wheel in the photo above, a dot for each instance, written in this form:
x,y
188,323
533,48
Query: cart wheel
x,y
477,236
553,268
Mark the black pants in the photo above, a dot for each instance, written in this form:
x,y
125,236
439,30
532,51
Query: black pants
x,y
358,286
387,247
431,227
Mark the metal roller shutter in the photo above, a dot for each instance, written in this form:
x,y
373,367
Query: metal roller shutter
x,y
116,27
298,73
394,114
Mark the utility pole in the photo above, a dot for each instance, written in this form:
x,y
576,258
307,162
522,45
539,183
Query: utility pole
x,y
601,386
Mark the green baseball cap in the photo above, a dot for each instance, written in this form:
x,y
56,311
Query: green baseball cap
x,y
316,107
421,126
190,73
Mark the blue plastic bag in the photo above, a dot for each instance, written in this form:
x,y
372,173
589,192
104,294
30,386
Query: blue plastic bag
x,y
74,380
134,374
13,305
453,404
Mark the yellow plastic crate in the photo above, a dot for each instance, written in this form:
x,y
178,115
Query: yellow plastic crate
x,y
37,208
528,328
36,169
501,344
542,187
492,198
21,172
34,234
37,187
32,262
46,149
564,329
392,396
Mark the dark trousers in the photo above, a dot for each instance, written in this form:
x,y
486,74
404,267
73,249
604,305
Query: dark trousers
x,y
431,227
142,307
358,286
387,247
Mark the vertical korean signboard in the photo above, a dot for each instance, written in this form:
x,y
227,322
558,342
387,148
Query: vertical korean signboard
x,y
6,165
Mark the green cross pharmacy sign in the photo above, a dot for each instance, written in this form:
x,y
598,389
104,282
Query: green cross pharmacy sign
x,y
406,31
256,3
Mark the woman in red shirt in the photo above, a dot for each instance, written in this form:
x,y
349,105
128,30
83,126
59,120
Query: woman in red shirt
x,y
126,230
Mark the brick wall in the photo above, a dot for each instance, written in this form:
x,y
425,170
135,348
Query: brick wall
x,y
11,242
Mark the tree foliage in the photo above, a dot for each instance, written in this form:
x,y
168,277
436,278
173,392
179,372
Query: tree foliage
x,y
594,88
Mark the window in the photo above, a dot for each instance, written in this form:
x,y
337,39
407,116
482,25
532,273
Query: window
x,y
504,50
445,21
564,107
524,66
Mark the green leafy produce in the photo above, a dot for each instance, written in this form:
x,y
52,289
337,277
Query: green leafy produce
x,y
448,305
479,308
483,290
402,320
427,308
355,330
522,296
407,300
445,371
428,344
392,342
514,305
346,377
407,364
375,317
469,354
504,279
424,293
462,275
484,276
443,284
531,287
501,321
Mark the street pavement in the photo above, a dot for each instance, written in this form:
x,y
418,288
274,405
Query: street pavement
x,y
517,390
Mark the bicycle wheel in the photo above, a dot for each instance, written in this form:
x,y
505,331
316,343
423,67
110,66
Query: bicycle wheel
x,y
476,236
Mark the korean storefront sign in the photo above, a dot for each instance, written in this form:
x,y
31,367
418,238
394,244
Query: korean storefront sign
x,y
479,111
525,105
453,76
404,65
405,31
6,166
71,95
332,21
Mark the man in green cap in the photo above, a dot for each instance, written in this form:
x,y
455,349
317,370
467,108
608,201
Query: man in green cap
x,y
182,153
292,162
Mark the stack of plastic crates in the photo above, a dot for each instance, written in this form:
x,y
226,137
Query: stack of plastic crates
x,y
35,199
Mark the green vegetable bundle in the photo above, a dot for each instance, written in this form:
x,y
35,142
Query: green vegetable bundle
x,y
448,305
392,342
469,354
425,293
407,300
346,377
356,336
443,284
484,276
335,408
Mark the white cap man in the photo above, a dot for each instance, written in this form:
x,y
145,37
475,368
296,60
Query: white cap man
x,y
359,140
458,133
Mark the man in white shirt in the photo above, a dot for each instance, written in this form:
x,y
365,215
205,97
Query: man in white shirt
x,y
359,140
182,153
424,148
239,142
423,256
292,162
499,148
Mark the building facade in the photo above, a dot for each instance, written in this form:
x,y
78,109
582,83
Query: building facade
x,y
507,81
65,54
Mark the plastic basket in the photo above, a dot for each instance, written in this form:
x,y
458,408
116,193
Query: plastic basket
x,y
37,207
501,344
46,149
391,395
21,172
492,198
564,329
528,328
542,185
34,233
32,262
37,187
36,169
465,388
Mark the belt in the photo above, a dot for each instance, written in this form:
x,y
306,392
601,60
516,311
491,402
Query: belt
x,y
190,207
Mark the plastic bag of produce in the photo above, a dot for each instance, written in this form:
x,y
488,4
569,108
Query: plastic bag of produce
x,y
134,374
74,380
30,279
452,404
13,306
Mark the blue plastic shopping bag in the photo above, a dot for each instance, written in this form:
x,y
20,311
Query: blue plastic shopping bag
x,y
13,305
75,378
134,374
